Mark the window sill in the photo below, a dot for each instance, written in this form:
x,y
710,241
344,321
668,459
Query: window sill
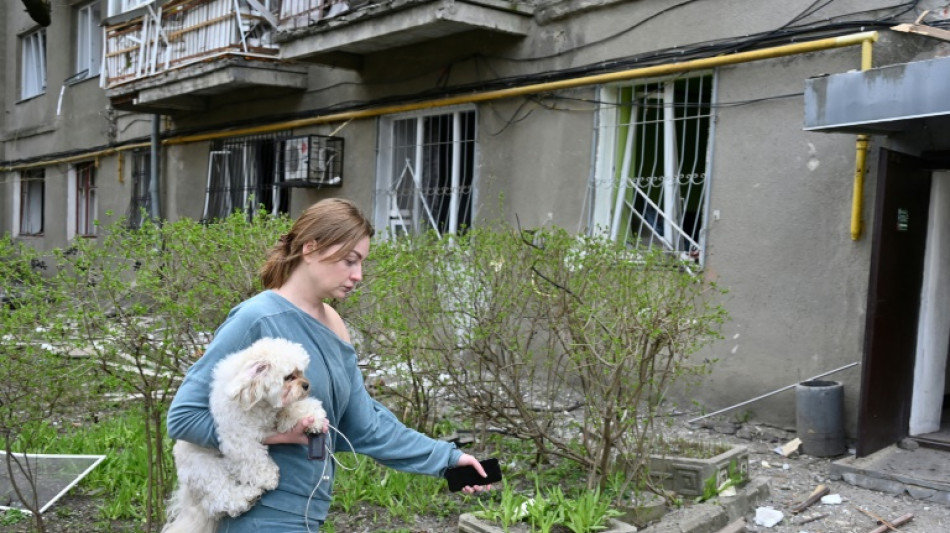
x,y
28,98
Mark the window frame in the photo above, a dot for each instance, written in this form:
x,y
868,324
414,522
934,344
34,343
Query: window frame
x,y
33,64
140,198
462,178
30,194
646,198
87,60
83,200
243,175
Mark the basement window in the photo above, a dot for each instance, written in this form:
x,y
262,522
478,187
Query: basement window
x,y
426,177
651,175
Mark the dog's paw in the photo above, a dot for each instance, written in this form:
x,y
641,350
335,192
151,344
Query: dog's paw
x,y
270,478
291,414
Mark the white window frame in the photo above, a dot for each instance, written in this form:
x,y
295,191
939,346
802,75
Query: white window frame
x,y
29,191
647,206
33,64
88,41
458,188
81,201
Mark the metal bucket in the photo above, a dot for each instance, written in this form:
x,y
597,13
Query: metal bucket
x,y
819,416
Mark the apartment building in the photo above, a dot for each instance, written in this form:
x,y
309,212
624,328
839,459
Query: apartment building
x,y
795,152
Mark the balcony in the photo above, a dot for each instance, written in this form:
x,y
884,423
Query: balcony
x,y
340,32
173,55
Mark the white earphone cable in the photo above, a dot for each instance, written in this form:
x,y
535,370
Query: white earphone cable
x,y
330,456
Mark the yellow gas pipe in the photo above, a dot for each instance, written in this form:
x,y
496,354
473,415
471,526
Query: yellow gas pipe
x,y
860,157
865,39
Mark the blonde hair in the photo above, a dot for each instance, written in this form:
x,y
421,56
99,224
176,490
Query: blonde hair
x,y
327,223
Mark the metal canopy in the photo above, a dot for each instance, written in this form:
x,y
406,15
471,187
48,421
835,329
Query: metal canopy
x,y
879,100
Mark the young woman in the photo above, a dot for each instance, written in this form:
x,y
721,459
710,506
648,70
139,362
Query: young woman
x,y
320,258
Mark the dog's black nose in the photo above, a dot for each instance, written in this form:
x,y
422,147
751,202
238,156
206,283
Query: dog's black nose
x,y
306,386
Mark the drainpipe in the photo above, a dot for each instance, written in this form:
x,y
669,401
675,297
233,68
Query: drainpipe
x,y
860,157
154,210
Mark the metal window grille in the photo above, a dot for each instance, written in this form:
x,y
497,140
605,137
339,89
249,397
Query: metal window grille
x,y
32,202
243,175
140,204
88,40
33,64
86,199
657,178
431,163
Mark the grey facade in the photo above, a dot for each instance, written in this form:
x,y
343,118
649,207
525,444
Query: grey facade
x,y
538,101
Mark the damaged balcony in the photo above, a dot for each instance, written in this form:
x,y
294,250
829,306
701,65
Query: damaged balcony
x,y
171,56
340,32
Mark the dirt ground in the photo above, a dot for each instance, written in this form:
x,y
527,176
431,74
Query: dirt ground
x,y
791,480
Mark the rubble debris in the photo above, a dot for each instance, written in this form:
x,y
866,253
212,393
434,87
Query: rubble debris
x,y
831,499
790,447
768,516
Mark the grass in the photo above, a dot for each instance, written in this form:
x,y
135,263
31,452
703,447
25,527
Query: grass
x,y
122,475
387,498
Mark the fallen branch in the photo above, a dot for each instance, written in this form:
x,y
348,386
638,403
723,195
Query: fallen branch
x,y
899,521
809,519
816,495
887,525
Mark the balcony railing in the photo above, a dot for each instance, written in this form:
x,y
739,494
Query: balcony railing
x,y
177,33
302,13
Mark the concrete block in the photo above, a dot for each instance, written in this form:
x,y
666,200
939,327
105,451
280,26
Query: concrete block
x,y
704,518
920,493
746,499
686,475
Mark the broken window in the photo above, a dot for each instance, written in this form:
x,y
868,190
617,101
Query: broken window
x,y
652,164
242,175
427,172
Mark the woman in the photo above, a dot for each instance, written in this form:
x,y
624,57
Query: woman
x,y
320,258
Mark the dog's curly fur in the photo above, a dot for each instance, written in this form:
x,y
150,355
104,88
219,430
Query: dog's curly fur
x,y
256,392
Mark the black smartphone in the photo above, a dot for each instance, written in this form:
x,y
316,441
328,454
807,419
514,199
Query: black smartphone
x,y
466,476
316,446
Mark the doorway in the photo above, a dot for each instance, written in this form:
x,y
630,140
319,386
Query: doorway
x,y
901,213
930,406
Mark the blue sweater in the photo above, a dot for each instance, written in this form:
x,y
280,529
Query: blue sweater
x,y
335,380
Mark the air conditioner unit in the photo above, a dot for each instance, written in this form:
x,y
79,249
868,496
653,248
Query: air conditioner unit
x,y
311,161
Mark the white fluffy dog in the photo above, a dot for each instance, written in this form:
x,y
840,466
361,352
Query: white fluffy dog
x,y
255,393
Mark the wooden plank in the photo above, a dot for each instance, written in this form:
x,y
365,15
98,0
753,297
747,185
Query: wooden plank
x,y
920,29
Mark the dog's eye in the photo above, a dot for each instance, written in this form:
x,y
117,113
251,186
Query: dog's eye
x,y
289,377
